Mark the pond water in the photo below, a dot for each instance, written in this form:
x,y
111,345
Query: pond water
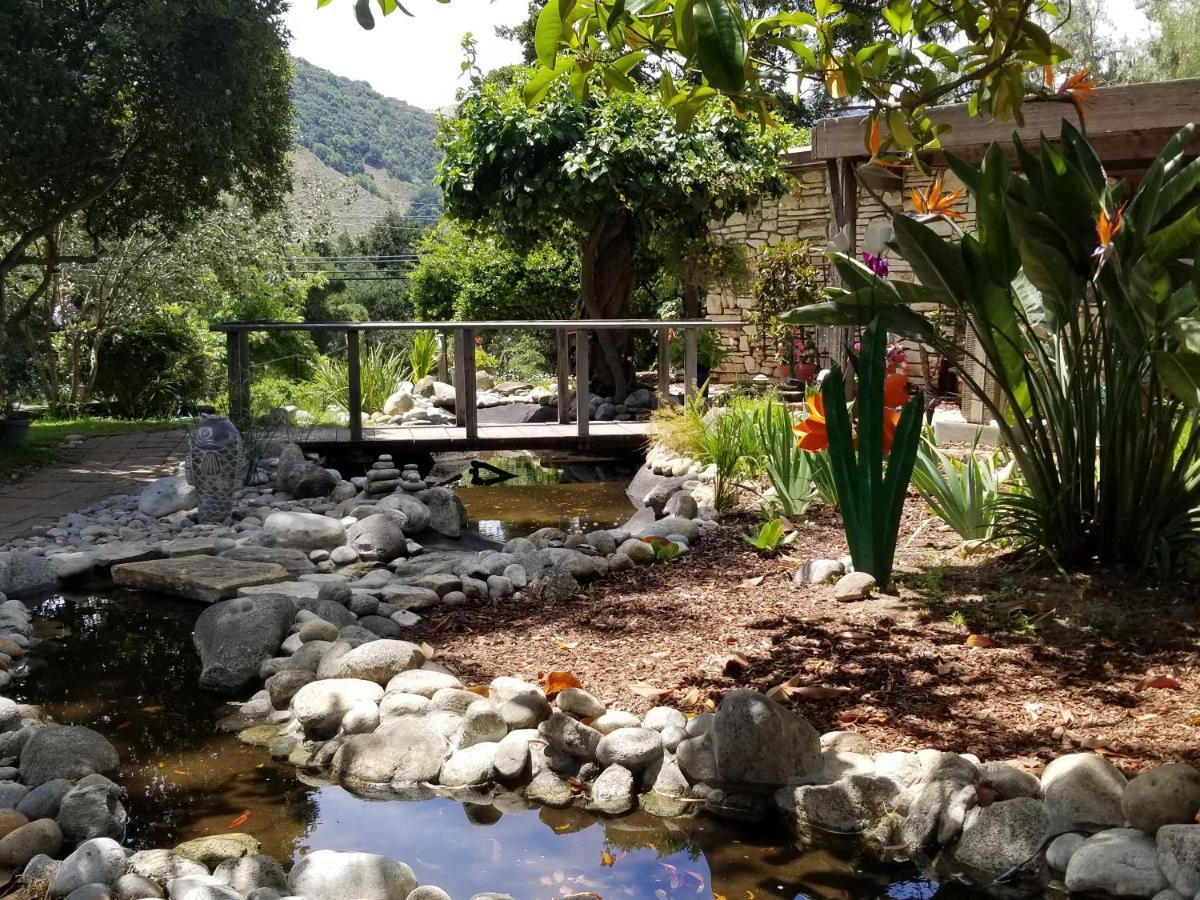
x,y
568,492
122,663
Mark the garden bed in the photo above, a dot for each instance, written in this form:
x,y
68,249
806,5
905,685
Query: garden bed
x,y
1072,663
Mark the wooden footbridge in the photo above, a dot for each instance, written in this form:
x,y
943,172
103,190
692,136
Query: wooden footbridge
x,y
467,434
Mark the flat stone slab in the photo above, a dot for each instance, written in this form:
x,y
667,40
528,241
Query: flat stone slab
x,y
200,546
117,553
204,578
301,589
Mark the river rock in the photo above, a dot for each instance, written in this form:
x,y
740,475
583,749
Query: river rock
x,y
569,735
378,537
378,661
631,748
164,865
663,717
579,702
849,806
403,751
69,752
1062,848
429,892
235,637
1009,782
512,757
331,875
11,820
313,480
613,792
1164,795
424,682
697,759
417,517
757,741
92,811
613,719
1178,853
132,886
22,844
470,765
1119,862
11,793
447,514
1005,834
287,470
1084,789
212,850
251,872
27,573
305,531
482,723
165,496
321,705
98,861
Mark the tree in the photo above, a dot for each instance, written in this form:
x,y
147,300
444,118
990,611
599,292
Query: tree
x,y
1172,49
697,49
612,173
1088,32
126,114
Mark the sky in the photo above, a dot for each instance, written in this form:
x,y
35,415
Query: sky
x,y
418,59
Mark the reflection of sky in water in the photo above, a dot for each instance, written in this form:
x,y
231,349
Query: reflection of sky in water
x,y
128,670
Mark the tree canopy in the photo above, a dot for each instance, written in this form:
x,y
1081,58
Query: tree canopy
x,y
125,114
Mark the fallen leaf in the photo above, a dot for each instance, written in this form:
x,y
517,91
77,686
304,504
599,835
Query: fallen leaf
x,y
649,691
180,772
445,623
152,709
1158,681
978,640
1194,721
692,698
481,689
1107,642
240,820
817,692
754,582
734,664
557,682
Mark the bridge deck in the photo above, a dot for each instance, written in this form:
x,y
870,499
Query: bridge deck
x,y
444,438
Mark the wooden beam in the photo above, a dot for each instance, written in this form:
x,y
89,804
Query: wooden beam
x,y
354,374
1117,110
237,364
469,399
583,393
461,352
562,340
690,359
664,365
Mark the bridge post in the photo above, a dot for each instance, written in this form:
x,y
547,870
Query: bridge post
x,y
237,361
689,362
469,399
443,368
562,340
354,376
664,364
583,398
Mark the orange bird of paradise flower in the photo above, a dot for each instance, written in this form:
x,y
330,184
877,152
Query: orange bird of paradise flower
x,y
1079,88
936,201
813,435
1107,227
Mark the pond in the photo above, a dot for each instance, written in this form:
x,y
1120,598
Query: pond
x,y
122,663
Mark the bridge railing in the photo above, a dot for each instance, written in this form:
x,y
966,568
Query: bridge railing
x,y
462,334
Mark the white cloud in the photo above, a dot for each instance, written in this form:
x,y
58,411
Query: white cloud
x,y
415,59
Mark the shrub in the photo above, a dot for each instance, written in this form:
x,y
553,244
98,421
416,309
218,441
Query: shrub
x,y
380,371
962,492
422,355
788,467
154,366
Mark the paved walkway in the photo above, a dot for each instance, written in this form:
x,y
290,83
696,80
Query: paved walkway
x,y
99,467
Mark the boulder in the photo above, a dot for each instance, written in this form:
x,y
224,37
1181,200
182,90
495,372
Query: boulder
x,y
570,736
417,517
853,586
92,811
757,741
212,850
68,752
44,800
850,806
98,861
447,515
482,723
164,865
313,480
1005,834
398,403
404,750
321,705
237,636
1164,795
248,873
1119,862
1009,782
378,661
305,531
291,463
165,496
379,537
613,792
26,573
132,886
1084,789
22,844
331,875
1178,854
470,765
630,748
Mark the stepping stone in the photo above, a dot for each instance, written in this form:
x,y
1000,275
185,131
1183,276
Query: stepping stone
x,y
204,578
120,552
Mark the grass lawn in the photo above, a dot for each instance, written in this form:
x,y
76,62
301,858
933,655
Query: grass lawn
x,y
46,434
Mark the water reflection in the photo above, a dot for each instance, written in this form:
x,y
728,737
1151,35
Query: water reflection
x,y
124,665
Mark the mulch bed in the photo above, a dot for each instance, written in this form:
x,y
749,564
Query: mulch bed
x,y
1108,663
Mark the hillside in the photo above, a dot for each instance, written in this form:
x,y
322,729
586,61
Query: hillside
x,y
372,139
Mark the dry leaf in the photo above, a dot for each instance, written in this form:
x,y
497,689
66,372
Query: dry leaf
x,y
557,682
606,859
817,692
692,698
1158,681
734,664
978,640
649,691
481,689
753,582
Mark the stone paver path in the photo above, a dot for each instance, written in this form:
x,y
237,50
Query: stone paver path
x,y
99,467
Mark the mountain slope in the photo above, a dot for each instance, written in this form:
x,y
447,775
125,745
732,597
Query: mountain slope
x,y
366,136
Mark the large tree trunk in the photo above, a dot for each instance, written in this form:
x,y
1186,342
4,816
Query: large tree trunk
x,y
607,281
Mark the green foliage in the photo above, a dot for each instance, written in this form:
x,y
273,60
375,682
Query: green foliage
x,y
422,355
351,127
788,467
380,371
821,467
1091,342
771,536
485,362
872,498
154,367
729,441
961,491
136,115
785,279
665,549
680,427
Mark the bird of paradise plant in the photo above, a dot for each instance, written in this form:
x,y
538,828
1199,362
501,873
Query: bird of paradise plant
x,y
936,201
889,427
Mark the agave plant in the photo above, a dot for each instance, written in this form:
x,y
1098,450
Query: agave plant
x,y
962,492
1081,296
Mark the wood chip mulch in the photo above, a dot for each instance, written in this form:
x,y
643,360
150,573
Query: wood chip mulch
x,y
1109,663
